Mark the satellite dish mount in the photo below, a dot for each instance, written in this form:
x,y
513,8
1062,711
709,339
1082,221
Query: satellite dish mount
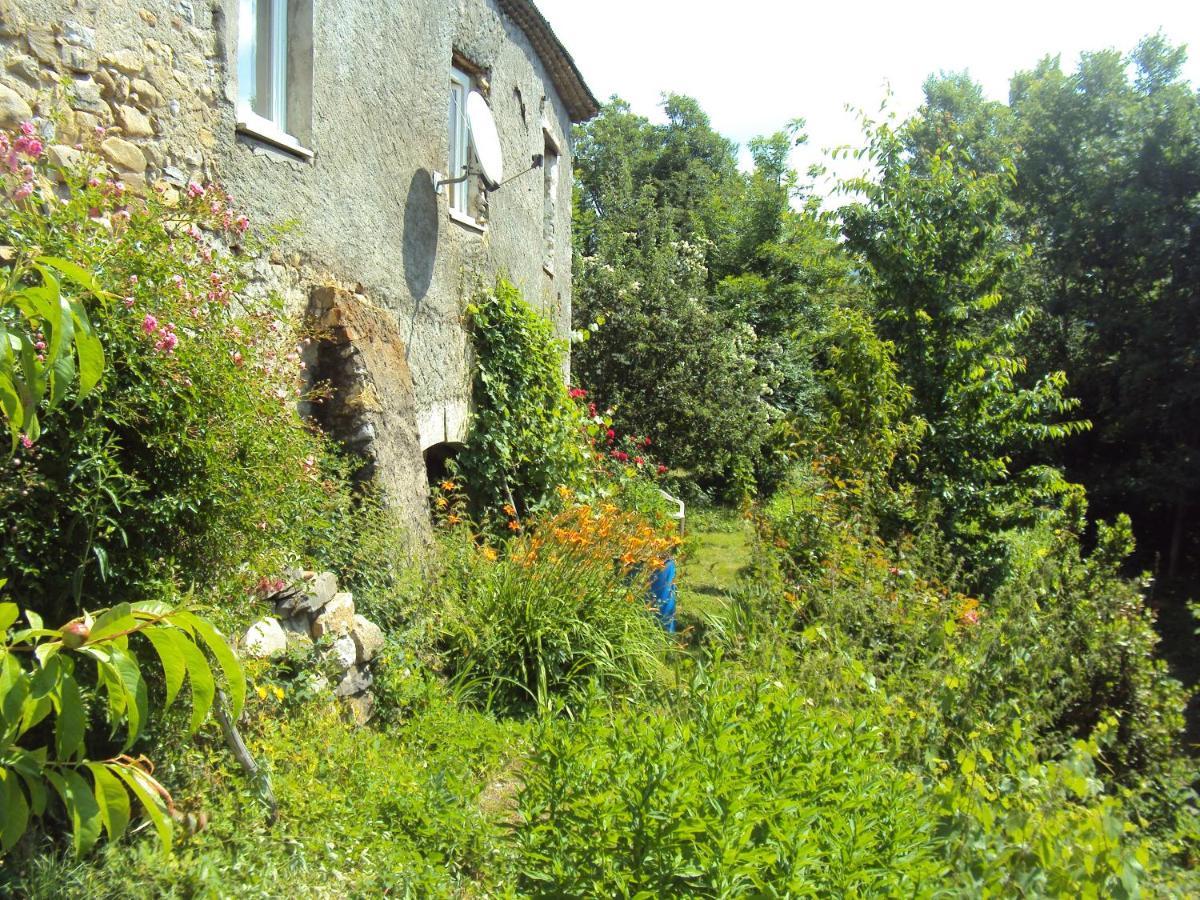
x,y
486,143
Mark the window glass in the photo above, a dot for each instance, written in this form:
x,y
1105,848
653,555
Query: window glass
x,y
550,203
460,86
262,59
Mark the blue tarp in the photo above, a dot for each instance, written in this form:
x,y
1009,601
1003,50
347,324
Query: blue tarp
x,y
662,594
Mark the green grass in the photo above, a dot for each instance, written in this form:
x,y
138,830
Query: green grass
x,y
717,552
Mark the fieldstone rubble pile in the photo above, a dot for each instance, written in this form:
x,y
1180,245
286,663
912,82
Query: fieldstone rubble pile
x,y
312,608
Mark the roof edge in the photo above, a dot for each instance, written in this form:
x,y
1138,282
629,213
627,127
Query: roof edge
x,y
564,74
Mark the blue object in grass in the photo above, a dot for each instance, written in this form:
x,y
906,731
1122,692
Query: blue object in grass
x,y
663,594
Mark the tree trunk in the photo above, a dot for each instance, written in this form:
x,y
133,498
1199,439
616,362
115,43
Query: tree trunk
x,y
1176,540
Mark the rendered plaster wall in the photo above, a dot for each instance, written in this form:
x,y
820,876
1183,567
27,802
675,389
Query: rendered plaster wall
x,y
161,78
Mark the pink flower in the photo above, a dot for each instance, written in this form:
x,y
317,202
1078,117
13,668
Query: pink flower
x,y
23,191
29,146
26,442
39,346
194,190
236,356
128,302
167,343
149,324
242,223
27,129
133,279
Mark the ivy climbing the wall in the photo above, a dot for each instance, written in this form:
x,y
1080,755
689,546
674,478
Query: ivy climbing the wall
x,y
526,434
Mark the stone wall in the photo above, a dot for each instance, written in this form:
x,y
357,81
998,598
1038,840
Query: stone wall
x,y
160,78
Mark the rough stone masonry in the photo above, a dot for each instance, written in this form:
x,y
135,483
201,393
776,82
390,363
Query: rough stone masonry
x,y
367,92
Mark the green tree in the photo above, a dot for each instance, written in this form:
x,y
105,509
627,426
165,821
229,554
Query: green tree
x,y
1108,192
934,253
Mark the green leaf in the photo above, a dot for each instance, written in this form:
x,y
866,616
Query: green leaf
x,y
73,272
89,349
150,793
200,680
8,615
136,709
235,678
112,798
112,621
82,808
11,406
14,807
152,609
68,727
165,641
14,688
36,788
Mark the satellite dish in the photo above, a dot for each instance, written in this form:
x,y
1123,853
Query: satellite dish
x,y
485,139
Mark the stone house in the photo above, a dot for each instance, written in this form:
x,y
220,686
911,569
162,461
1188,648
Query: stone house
x,y
337,116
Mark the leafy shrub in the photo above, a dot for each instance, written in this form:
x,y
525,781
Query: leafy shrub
x,y
187,456
732,790
35,758
565,605
1062,643
1017,826
361,813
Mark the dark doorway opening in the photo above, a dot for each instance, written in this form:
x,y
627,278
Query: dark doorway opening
x,y
437,461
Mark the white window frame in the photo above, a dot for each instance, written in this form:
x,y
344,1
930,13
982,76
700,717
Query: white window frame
x,y
273,126
459,195
550,157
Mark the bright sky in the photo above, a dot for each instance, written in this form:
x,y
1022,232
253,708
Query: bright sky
x,y
756,64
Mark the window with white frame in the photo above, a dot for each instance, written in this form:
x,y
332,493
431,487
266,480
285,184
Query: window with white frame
x,y
549,203
460,141
274,70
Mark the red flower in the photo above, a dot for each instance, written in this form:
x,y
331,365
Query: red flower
x,y
620,456
662,470
610,434
578,393
638,460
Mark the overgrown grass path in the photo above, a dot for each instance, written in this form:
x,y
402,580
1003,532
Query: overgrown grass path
x,y
718,552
